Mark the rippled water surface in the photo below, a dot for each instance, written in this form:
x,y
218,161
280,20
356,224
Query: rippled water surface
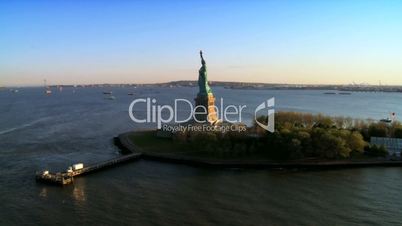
x,y
38,132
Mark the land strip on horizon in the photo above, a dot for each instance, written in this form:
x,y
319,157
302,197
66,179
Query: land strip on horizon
x,y
251,85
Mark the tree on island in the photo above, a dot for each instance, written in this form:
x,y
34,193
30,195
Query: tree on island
x,y
297,136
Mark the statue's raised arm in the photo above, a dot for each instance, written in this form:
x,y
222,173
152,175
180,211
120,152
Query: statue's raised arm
x,y
202,58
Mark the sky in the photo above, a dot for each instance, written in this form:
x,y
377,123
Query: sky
x,y
296,42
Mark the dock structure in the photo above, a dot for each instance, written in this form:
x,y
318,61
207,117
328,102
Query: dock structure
x,y
64,178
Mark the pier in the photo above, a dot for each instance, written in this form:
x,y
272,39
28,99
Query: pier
x,y
64,178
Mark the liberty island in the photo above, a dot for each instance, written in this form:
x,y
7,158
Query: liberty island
x,y
311,141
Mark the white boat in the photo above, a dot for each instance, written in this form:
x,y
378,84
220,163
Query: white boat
x,y
110,97
389,119
47,88
386,120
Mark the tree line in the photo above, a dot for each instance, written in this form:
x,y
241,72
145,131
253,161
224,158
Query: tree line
x,y
297,136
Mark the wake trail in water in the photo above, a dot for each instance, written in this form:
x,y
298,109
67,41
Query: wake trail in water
x,y
23,126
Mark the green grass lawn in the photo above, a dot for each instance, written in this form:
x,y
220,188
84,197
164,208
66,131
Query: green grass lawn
x,y
149,142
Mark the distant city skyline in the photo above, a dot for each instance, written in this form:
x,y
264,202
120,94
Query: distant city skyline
x,y
293,42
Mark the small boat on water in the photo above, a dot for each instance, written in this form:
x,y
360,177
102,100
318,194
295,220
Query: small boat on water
x,y
108,92
130,94
388,119
110,97
340,93
48,91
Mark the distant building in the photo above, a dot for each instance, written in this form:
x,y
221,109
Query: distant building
x,y
393,145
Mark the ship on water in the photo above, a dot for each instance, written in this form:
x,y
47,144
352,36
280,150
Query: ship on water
x,y
389,119
48,91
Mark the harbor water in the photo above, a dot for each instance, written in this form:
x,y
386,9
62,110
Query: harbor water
x,y
39,131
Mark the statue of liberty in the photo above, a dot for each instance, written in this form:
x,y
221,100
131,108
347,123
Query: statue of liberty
x,y
205,98
203,79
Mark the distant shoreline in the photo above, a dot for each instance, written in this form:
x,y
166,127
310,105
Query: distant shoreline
x,y
243,85
238,85
124,143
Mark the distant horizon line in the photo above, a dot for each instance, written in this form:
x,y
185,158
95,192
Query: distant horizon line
x,y
211,82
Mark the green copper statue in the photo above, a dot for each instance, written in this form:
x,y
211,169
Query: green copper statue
x,y
203,79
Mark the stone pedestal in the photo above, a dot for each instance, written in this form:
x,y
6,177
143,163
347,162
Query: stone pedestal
x,y
206,113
